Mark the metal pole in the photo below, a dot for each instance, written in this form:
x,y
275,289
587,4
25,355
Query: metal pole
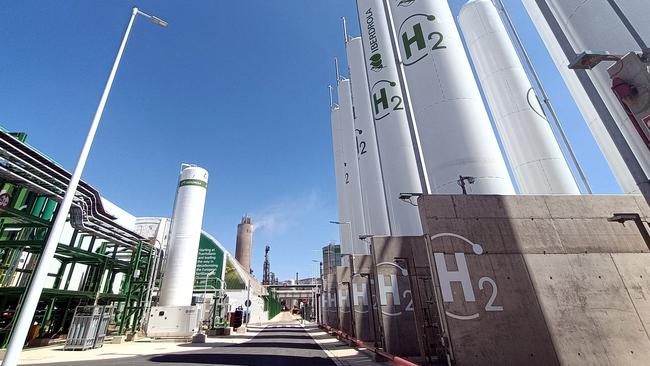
x,y
546,98
379,313
614,131
320,294
28,307
345,30
336,68
248,300
440,306
408,108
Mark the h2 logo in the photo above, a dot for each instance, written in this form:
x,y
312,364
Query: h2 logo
x,y
414,45
386,97
388,288
446,277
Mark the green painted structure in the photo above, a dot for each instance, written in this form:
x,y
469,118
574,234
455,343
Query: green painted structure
x,y
97,262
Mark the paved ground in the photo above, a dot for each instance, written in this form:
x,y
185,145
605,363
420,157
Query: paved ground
x,y
284,342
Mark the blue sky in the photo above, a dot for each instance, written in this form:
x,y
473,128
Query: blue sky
x,y
238,87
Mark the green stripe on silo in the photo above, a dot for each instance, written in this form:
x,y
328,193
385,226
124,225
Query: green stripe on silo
x,y
193,182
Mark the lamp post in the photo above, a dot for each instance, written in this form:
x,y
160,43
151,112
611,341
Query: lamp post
x,y
314,278
33,294
350,226
374,278
461,182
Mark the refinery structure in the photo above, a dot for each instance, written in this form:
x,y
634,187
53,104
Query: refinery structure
x,y
139,272
468,231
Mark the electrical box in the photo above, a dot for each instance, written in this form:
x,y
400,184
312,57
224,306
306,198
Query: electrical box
x,y
173,321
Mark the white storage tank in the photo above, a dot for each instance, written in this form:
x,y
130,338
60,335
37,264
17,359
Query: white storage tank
x,y
534,154
455,131
396,153
372,185
592,25
339,172
351,163
182,251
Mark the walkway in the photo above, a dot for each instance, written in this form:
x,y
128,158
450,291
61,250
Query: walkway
x,y
281,343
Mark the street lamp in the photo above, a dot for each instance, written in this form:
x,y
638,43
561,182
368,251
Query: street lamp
x,y
350,226
461,182
33,294
315,261
587,60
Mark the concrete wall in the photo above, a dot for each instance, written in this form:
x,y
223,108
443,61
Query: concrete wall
x,y
329,301
394,294
541,280
365,328
345,310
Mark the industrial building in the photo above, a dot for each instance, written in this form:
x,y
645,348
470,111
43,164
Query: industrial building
x,y
447,259
106,256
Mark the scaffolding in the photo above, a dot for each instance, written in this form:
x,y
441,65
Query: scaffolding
x,y
97,261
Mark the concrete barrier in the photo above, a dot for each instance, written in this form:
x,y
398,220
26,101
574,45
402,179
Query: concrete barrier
x,y
541,280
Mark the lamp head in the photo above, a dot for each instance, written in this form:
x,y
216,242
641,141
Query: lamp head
x,y
158,21
587,60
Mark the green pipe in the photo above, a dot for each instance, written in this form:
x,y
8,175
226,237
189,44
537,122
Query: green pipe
x,y
38,206
47,318
19,200
49,209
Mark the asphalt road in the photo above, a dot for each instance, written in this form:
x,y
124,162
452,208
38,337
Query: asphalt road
x,y
278,344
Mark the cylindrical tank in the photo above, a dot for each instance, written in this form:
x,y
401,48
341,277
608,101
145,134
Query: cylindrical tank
x,y
455,131
372,186
183,248
577,20
339,172
396,154
244,243
351,163
535,155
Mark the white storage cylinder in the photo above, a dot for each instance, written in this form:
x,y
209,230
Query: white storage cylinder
x,y
372,185
339,172
455,131
351,163
534,154
396,153
187,219
592,25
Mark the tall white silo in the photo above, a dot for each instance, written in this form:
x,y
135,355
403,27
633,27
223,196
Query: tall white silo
x,y
592,25
535,155
339,172
372,185
455,130
178,279
351,180
396,154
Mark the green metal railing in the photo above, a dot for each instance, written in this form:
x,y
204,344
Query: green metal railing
x,y
272,304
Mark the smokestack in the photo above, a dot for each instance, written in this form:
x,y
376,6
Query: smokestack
x,y
244,246
183,247
266,276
